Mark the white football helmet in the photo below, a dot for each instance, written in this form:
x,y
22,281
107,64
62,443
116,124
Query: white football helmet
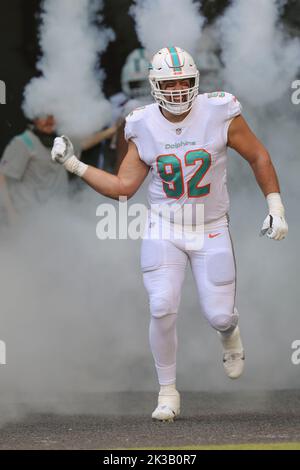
x,y
134,76
173,63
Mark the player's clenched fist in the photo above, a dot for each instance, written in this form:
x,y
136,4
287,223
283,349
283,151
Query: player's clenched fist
x,y
275,225
62,149
63,152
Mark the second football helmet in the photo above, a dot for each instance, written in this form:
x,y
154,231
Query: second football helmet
x,y
134,77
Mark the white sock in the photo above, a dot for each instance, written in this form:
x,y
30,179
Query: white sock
x,y
167,389
163,343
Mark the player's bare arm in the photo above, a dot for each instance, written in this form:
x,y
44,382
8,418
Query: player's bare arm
x,y
244,141
131,175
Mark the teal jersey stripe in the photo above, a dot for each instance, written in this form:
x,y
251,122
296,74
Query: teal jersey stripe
x,y
27,140
175,59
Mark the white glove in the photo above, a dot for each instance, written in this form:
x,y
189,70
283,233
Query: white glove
x,y
275,225
62,149
63,152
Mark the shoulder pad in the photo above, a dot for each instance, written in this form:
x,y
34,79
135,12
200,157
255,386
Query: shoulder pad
x,y
137,114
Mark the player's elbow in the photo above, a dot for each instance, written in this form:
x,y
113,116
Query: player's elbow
x,y
120,196
125,192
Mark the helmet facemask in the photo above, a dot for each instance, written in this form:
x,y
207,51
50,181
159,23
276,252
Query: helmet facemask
x,y
176,101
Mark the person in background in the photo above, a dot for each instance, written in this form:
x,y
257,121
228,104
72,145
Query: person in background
x,y
96,148
27,176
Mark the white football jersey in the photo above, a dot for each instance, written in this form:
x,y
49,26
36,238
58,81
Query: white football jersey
x,y
187,159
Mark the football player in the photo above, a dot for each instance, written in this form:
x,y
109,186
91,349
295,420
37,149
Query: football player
x,y
183,138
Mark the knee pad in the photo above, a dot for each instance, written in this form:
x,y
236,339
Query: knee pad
x,y
160,306
221,268
165,302
225,323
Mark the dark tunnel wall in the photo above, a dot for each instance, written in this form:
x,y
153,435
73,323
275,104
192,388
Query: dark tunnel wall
x,y
19,49
19,52
15,66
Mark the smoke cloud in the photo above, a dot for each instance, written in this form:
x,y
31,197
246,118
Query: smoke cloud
x,y
258,54
261,62
74,312
70,83
162,23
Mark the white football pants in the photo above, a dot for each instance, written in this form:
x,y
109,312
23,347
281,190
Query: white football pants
x,y
163,264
